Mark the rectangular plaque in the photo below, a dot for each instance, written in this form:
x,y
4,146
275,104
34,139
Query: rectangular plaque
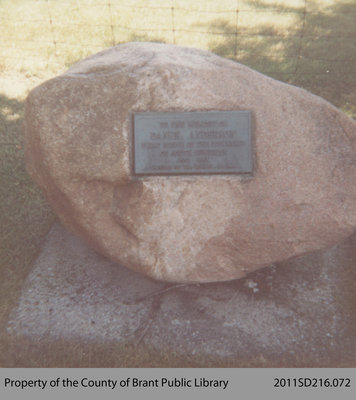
x,y
203,142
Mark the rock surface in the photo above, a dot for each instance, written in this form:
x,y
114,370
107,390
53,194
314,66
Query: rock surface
x,y
300,311
301,196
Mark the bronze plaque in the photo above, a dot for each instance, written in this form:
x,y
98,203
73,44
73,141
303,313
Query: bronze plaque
x,y
201,142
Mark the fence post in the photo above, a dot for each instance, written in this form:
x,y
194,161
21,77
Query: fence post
x,y
173,22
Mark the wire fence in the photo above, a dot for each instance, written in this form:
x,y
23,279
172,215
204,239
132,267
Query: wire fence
x,y
299,41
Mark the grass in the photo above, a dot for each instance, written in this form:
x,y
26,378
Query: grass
x,y
307,43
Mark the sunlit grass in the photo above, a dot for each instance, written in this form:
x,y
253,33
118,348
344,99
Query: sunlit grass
x,y
287,39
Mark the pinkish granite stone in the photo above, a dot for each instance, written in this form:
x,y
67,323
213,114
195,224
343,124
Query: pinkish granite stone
x,y
301,196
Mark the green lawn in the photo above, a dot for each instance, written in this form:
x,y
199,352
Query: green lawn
x,y
309,43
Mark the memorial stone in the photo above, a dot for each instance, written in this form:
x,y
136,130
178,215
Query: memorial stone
x,y
188,167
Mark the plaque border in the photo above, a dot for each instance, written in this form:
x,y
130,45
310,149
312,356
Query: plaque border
x,y
187,174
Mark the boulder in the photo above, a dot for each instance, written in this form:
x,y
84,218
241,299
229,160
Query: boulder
x,y
300,197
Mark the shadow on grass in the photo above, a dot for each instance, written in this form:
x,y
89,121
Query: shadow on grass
x,y
11,152
11,114
24,215
316,52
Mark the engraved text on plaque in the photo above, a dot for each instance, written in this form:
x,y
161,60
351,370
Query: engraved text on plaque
x,y
204,142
